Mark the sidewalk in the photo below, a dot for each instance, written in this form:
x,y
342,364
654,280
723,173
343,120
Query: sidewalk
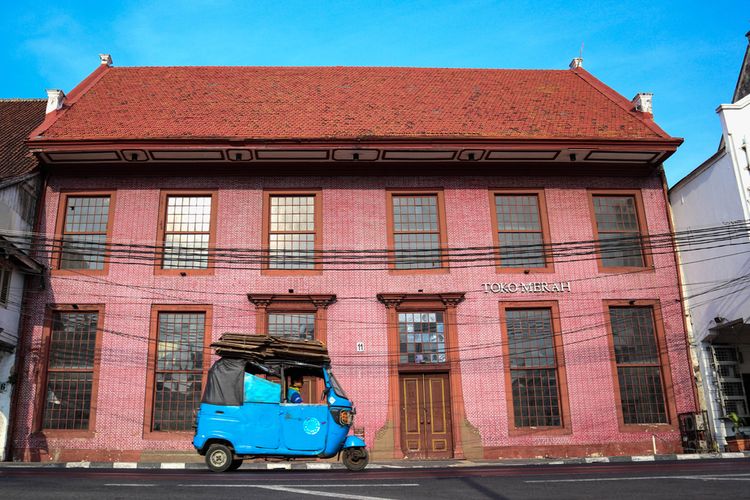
x,y
394,464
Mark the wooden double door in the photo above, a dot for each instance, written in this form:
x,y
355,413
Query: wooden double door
x,y
426,415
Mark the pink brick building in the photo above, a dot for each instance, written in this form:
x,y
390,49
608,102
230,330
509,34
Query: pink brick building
x,y
435,227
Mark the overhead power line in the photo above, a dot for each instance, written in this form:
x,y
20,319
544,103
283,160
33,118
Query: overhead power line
x,y
383,259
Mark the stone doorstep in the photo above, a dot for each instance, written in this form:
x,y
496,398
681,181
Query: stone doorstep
x,y
178,461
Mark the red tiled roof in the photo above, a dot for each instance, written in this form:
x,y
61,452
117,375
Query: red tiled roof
x,y
18,117
267,103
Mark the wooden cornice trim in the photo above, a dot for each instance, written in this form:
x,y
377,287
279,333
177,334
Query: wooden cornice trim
x,y
317,300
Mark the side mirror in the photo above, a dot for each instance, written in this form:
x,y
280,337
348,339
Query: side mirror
x,y
324,394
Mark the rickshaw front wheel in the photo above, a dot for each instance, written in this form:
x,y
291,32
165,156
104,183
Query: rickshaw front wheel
x,y
219,458
355,459
236,464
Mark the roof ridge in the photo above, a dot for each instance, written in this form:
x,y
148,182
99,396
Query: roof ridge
x,y
427,68
619,100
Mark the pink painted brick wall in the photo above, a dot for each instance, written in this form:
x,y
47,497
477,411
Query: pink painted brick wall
x,y
354,217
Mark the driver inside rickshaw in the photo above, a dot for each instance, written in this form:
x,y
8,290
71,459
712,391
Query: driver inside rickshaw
x,y
294,394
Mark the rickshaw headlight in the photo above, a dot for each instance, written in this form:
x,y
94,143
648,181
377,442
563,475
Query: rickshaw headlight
x,y
343,417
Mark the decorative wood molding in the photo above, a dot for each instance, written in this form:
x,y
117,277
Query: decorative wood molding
x,y
394,300
284,301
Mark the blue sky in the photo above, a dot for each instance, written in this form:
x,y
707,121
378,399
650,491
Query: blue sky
x,y
688,53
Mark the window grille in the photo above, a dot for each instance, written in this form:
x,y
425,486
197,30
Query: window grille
x,y
638,365
179,370
726,361
725,353
416,232
422,337
619,231
70,371
85,232
291,233
533,368
292,325
519,231
187,232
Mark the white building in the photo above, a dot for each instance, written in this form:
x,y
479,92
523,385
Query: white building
x,y
712,204
19,188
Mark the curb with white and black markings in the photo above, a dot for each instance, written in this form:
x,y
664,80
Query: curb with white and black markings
x,y
404,464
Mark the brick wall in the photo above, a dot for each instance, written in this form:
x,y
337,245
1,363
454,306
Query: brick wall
x,y
354,217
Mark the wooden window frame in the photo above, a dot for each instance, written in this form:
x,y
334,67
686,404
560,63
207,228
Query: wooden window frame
x,y
545,230
666,374
153,337
292,303
161,232
41,396
442,227
56,257
317,194
648,263
564,397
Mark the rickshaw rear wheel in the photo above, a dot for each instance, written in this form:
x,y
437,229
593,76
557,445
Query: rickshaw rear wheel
x,y
219,458
355,459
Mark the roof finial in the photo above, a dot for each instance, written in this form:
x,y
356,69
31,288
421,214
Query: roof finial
x,y
577,62
105,59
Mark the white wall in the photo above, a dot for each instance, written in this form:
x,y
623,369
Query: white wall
x,y
716,195
9,321
712,198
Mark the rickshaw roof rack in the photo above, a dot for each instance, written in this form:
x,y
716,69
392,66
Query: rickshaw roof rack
x,y
265,348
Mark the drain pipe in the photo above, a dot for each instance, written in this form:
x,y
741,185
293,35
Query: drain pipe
x,y
653,442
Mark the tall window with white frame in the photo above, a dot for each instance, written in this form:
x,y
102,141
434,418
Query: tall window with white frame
x,y
70,370
619,231
178,374
639,369
533,368
291,232
84,233
187,232
416,231
519,231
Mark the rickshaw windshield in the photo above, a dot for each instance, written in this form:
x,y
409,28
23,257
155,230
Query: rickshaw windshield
x,y
336,386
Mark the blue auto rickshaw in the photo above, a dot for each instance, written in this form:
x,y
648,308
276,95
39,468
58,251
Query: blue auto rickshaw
x,y
245,413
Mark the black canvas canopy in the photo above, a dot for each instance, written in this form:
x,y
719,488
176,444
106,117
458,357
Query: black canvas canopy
x,y
225,382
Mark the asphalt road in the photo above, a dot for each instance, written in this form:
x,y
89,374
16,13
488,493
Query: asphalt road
x,y
683,479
